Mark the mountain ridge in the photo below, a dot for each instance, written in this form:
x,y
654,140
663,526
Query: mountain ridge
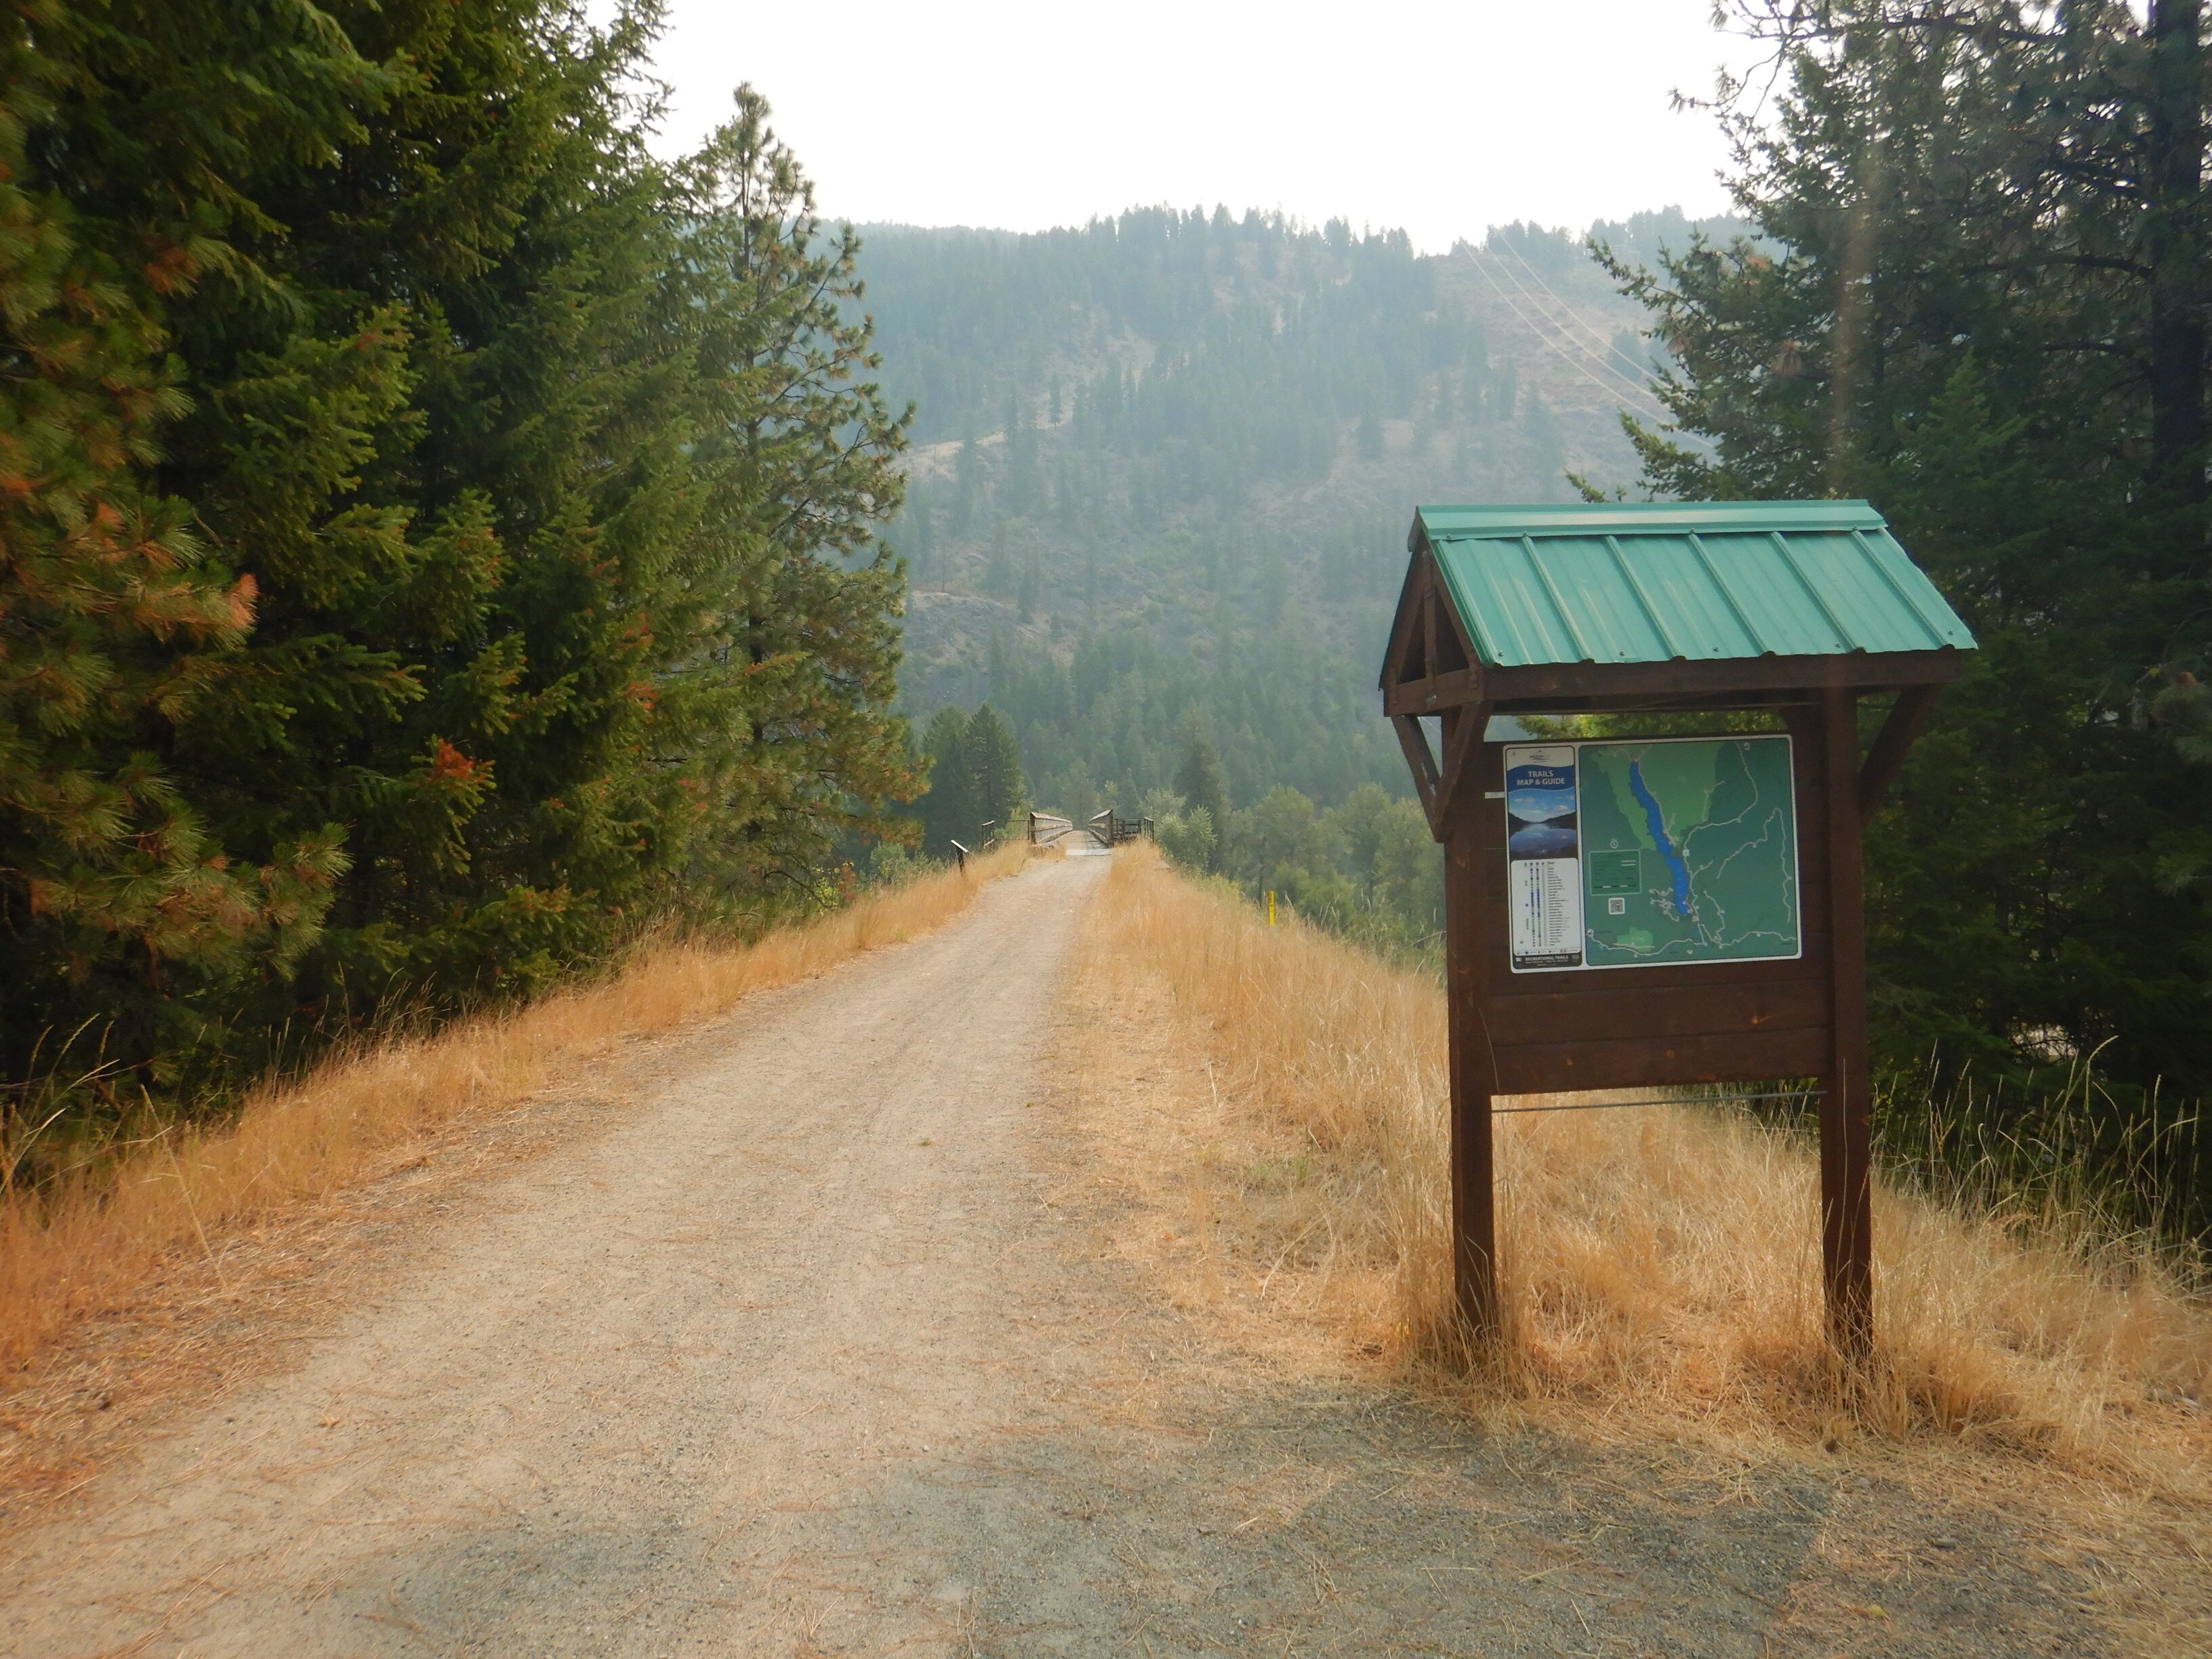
x,y
1193,439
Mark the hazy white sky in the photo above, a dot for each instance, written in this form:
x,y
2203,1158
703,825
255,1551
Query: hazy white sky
x,y
1442,119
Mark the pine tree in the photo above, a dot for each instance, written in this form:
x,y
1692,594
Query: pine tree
x,y
1198,779
996,794
1022,474
443,428
1966,311
546,476
806,465
945,806
1032,594
116,897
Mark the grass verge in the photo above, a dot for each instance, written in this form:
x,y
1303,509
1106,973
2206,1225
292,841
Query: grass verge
x,y
94,1242
1660,1266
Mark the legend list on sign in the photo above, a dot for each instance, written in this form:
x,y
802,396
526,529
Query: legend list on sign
x,y
1543,848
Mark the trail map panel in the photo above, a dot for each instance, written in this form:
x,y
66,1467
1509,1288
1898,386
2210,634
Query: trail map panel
x,y
1655,851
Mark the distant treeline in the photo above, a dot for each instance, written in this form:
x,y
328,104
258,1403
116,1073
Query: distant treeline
x,y
436,539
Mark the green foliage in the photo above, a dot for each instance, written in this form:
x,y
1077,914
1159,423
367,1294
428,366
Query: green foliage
x,y
991,770
1186,837
974,779
1115,712
1164,463
1199,780
1366,868
531,589
1979,304
116,617
945,810
803,456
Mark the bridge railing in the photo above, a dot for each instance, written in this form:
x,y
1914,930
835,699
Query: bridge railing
x,y
1109,828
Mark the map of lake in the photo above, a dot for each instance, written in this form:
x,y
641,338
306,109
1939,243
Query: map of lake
x,y
1689,849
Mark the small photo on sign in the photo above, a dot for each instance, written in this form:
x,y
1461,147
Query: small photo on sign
x,y
1544,887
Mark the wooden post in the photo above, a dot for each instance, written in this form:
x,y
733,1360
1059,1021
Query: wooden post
x,y
1846,1139
1474,1191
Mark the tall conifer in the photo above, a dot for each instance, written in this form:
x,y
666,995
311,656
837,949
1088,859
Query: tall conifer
x,y
997,795
1966,310
448,538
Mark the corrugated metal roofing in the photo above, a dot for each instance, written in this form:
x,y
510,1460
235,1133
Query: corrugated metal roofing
x,y
1654,582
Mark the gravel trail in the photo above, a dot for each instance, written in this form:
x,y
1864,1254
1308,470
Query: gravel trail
x,y
825,1348
616,1408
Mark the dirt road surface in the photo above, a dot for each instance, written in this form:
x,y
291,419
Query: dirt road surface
x,y
819,1350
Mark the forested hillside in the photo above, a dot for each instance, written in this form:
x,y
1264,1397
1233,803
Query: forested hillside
x,y
1164,462
439,538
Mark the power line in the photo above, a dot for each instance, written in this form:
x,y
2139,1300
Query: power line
x,y
1606,347
1566,328
1550,326
1612,392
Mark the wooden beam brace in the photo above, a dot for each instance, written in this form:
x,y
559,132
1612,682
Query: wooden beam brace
x,y
1462,734
1428,627
1426,781
1435,694
1906,716
1722,701
1846,1107
1406,624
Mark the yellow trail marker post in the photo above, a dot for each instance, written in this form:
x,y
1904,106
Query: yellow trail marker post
x,y
1271,907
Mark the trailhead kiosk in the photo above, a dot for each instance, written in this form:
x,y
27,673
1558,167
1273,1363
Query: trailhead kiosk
x,y
1645,912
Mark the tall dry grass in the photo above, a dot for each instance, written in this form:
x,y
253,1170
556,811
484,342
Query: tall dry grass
x,y
1656,1262
92,1242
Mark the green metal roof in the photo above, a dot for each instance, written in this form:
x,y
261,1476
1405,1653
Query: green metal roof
x,y
1638,582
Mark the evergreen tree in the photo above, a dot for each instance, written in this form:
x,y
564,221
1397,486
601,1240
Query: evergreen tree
x,y
118,900
531,589
945,806
1022,477
444,403
1978,302
1032,597
992,763
805,458
1199,778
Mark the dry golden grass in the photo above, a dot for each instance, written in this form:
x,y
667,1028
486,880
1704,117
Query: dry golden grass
x,y
1660,1265
94,1243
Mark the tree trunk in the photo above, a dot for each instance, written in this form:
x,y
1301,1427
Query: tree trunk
x,y
2175,245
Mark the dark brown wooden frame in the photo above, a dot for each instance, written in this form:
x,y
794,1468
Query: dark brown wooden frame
x,y
1681,1023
